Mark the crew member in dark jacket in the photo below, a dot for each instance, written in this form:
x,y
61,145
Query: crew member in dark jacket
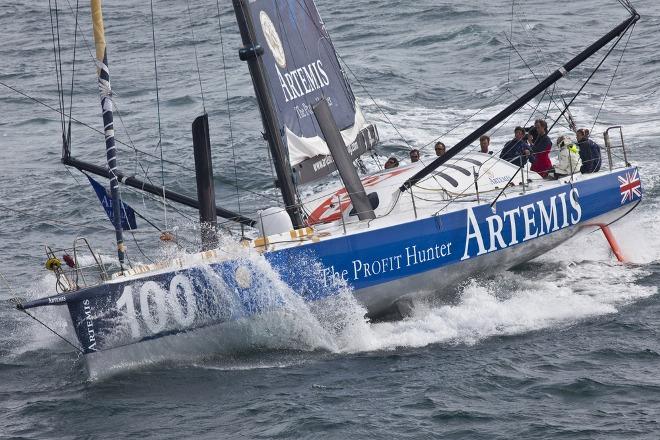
x,y
540,150
589,152
514,150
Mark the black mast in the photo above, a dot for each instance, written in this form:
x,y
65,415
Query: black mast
x,y
205,188
251,52
501,116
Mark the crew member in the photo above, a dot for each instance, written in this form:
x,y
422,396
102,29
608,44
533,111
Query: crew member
x,y
392,162
484,143
514,150
540,150
569,157
589,152
440,149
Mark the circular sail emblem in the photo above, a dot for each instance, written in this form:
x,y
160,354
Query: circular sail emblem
x,y
273,39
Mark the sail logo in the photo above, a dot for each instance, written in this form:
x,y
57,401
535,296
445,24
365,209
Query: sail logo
x,y
298,82
521,224
273,39
303,80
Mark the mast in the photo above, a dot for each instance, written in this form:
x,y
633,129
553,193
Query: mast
x,y
251,53
114,174
347,171
516,105
108,125
204,174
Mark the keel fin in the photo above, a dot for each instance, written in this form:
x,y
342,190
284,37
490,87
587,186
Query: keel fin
x,y
613,243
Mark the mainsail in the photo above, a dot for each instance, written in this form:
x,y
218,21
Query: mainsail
x,y
301,68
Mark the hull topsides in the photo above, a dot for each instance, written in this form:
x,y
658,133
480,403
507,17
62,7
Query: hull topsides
x,y
382,266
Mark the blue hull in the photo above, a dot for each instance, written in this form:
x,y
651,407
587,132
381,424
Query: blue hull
x,y
381,266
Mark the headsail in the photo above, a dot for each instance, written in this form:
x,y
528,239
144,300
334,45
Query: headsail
x,y
128,222
302,67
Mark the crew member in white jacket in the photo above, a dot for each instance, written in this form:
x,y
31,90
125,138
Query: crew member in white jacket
x,y
569,157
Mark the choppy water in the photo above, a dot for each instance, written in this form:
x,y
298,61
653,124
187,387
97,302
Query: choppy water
x,y
564,347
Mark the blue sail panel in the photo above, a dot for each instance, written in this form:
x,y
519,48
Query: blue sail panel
x,y
301,68
128,222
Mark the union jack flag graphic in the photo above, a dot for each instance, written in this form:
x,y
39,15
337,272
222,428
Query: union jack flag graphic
x,y
630,186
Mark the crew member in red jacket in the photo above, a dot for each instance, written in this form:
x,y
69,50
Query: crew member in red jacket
x,y
540,150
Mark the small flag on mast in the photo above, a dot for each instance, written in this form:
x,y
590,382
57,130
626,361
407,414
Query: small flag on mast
x,y
127,213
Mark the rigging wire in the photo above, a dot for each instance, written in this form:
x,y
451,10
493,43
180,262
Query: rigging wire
x,y
61,111
508,74
464,120
138,163
19,306
78,29
118,112
515,49
231,130
131,147
261,105
73,74
387,118
132,144
592,74
627,5
199,74
61,71
537,52
159,201
609,51
552,94
58,65
160,132
632,29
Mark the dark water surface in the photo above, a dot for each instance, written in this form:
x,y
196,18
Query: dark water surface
x,y
565,347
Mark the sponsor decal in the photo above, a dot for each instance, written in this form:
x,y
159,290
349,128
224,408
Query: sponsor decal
x,y
484,232
148,308
362,268
497,180
630,186
57,299
273,39
303,81
500,231
89,325
324,162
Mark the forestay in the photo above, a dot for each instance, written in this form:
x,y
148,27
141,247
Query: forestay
x,y
302,67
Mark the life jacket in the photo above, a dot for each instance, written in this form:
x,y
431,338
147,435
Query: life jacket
x,y
569,160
